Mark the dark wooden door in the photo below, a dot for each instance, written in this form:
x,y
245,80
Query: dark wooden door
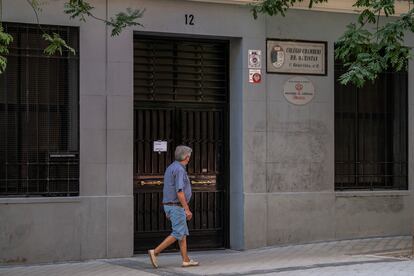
x,y
181,97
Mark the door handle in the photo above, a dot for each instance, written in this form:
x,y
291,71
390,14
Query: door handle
x,y
143,183
202,182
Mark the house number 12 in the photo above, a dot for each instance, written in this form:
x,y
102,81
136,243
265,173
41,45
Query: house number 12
x,y
189,19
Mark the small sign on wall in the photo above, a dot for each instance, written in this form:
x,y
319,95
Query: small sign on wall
x,y
255,75
296,57
298,90
255,59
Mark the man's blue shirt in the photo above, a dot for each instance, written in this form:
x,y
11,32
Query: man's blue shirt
x,y
175,180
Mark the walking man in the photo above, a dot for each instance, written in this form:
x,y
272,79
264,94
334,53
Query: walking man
x,y
176,196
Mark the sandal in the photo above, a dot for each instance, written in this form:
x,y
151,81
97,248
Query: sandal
x,y
153,258
190,263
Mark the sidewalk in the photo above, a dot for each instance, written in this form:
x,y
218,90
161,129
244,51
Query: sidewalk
x,y
351,257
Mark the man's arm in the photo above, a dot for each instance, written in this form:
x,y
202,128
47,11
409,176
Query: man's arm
x,y
183,201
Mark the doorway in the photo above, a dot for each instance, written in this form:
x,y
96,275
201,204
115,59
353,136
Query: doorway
x,y
181,97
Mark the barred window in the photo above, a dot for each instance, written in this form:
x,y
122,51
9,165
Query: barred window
x,y
371,126
39,115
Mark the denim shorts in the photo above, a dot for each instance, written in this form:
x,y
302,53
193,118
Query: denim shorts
x,y
178,221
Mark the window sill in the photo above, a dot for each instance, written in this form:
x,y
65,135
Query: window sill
x,y
34,200
372,193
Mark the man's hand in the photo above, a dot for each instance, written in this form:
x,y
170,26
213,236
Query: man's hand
x,y
188,214
183,201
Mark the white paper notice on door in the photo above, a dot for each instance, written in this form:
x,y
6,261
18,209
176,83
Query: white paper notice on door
x,y
160,146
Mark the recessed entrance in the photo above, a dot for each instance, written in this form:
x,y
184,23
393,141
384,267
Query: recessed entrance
x,y
181,97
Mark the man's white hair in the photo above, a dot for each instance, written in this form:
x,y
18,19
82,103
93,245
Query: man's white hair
x,y
181,152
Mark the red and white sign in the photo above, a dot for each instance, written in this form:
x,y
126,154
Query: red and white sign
x,y
299,90
255,75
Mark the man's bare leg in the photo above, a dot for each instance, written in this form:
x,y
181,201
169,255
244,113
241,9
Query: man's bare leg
x,y
183,249
167,242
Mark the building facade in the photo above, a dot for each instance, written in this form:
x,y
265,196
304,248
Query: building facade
x,y
80,175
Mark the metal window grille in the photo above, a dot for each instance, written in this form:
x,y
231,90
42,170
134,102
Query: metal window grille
x,y
371,133
180,70
39,109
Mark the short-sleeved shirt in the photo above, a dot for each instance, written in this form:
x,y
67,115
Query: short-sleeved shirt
x,y
175,180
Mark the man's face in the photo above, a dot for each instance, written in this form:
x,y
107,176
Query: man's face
x,y
187,159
